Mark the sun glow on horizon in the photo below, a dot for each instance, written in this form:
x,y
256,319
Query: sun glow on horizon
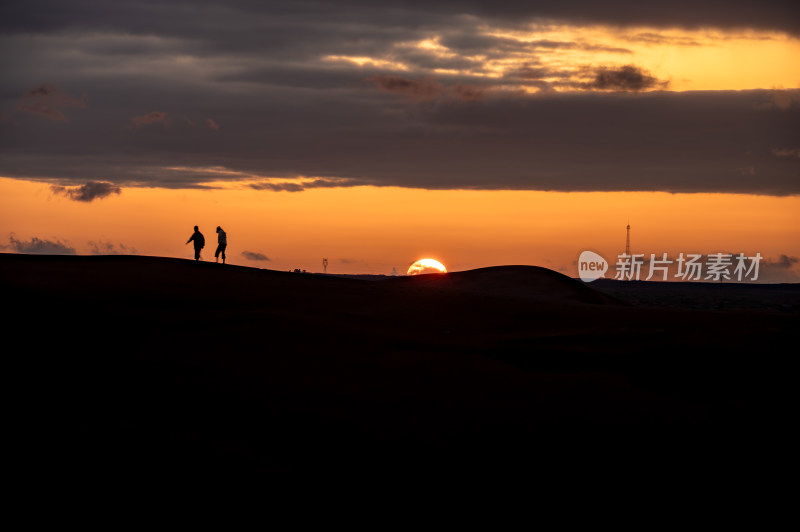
x,y
426,266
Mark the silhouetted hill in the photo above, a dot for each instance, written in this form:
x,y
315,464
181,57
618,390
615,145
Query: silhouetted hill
x,y
144,367
527,282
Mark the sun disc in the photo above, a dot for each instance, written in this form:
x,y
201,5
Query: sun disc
x,y
426,266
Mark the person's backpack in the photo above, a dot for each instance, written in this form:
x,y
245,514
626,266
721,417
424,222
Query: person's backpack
x,y
201,240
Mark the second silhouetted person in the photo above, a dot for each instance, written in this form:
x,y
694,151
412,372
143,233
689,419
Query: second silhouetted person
x,y
222,243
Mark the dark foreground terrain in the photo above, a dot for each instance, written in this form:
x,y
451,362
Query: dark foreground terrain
x,y
132,368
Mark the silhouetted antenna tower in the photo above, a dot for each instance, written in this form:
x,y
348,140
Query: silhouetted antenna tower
x,y
628,242
324,265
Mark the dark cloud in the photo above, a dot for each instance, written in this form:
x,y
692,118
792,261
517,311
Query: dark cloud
x,y
783,152
468,93
471,43
531,72
108,248
255,256
88,192
299,186
278,187
782,262
569,45
625,78
629,78
676,142
181,17
655,38
416,89
154,117
208,123
429,89
771,14
781,100
47,100
38,246
782,269
543,78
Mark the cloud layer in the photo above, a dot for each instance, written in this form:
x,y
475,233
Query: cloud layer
x,y
417,94
255,256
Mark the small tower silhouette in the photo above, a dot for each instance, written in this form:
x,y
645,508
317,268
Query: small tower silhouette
x,y
324,265
628,242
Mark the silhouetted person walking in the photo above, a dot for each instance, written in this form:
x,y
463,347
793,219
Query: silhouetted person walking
x,y
199,242
222,243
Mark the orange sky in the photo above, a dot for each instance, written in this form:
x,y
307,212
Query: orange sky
x,y
372,230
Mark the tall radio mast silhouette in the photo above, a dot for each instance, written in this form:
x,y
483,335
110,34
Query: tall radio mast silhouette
x,y
628,242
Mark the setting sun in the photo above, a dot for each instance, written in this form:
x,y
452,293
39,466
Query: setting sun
x,y
426,266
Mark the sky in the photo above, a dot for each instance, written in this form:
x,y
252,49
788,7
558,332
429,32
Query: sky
x,y
378,133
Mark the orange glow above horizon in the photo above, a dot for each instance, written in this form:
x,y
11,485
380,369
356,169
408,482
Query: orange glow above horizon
x,y
689,59
378,229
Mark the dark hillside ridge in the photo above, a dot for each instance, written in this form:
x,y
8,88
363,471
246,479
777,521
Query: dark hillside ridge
x,y
141,367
